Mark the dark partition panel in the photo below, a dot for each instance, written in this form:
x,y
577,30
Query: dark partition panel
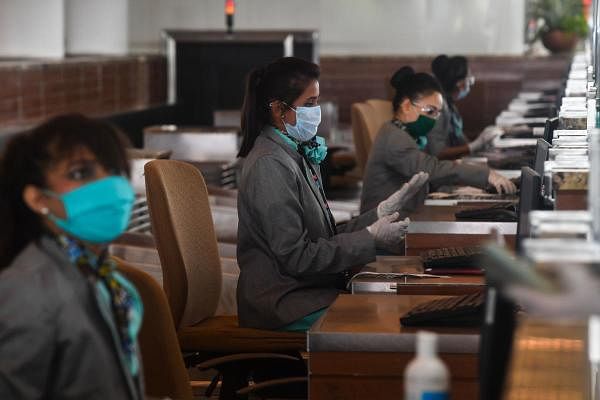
x,y
207,69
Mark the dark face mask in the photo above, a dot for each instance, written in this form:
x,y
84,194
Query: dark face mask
x,y
420,128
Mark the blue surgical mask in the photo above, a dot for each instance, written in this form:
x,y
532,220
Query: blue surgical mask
x,y
307,122
97,212
463,93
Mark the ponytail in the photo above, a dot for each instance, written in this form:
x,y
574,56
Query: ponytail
x,y
284,79
254,114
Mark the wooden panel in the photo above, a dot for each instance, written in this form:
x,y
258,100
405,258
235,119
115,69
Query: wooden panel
x,y
347,375
571,200
346,80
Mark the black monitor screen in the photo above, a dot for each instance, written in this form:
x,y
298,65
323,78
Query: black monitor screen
x,y
549,127
529,199
541,155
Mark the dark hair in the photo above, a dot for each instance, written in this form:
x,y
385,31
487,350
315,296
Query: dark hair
x,y
29,155
284,79
449,70
411,85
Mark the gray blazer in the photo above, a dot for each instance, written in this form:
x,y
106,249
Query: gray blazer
x,y
291,261
395,158
54,343
444,133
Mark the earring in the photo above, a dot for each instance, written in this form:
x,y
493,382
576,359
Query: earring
x,y
44,211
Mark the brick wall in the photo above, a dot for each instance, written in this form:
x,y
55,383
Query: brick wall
x,y
31,91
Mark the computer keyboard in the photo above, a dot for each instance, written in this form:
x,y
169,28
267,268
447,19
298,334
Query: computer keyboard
x,y
465,310
497,213
452,257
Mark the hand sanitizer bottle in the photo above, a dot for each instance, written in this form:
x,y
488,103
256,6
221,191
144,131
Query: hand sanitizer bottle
x,y
426,377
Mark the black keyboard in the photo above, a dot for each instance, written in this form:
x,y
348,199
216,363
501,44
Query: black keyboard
x,y
497,213
466,310
452,257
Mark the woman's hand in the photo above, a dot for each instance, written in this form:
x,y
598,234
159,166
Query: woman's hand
x,y
388,232
579,296
501,183
485,138
398,199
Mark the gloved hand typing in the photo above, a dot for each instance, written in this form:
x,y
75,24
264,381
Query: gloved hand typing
x,y
388,232
501,183
485,138
399,198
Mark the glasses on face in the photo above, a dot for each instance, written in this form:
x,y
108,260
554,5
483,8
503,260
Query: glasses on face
x,y
428,110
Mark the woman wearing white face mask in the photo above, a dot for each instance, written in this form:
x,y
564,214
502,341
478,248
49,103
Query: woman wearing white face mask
x,y
446,140
293,257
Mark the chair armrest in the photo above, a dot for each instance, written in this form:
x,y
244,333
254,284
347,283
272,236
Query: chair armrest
x,y
271,384
236,358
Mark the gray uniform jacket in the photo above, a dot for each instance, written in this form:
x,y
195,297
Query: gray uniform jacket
x,y
54,343
291,261
447,131
395,158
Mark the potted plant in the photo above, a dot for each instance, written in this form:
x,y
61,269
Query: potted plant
x,y
561,23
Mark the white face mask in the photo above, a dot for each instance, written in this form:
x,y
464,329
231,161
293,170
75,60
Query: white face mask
x,y
307,122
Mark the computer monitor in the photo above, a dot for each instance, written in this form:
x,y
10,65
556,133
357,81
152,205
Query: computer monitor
x,y
541,155
530,198
495,346
549,127
497,331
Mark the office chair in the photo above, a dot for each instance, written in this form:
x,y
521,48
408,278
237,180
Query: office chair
x,y
382,110
364,129
165,374
187,246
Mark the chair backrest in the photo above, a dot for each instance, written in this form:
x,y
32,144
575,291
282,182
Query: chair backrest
x,y
165,374
364,128
382,110
185,237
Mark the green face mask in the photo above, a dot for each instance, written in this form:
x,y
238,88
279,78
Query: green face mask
x,y
420,128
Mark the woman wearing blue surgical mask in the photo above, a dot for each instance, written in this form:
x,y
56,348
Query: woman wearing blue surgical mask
x,y
294,259
398,151
68,321
446,140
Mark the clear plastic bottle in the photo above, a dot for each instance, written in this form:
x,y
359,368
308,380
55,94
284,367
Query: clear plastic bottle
x,y
426,376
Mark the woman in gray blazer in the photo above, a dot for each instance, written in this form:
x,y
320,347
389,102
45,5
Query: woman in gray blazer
x,y
68,320
293,258
446,140
398,150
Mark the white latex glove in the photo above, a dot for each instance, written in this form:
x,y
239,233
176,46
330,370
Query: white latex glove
x,y
485,138
399,198
502,184
579,296
388,232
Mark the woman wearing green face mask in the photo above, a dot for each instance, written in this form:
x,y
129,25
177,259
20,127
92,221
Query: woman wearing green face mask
x,y
398,151
68,321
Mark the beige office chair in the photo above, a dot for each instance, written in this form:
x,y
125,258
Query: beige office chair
x,y
364,130
185,237
382,110
165,374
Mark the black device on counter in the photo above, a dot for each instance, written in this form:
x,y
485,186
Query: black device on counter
x,y
456,311
496,213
